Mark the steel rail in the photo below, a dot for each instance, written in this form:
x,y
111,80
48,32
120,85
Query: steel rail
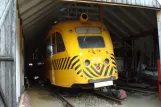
x,y
136,89
100,94
64,100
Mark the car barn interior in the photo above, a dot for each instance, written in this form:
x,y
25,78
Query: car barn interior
x,y
134,33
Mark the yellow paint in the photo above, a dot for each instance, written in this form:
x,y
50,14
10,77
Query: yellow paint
x,y
68,77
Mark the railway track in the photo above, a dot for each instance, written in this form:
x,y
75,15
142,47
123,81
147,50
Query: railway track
x,y
66,103
102,95
63,99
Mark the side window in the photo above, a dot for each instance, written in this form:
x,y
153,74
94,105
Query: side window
x,y
48,47
53,44
60,43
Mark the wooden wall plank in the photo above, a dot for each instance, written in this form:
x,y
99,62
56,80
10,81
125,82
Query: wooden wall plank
x,y
7,48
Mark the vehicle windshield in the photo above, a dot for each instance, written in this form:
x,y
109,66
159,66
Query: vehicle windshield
x,y
91,42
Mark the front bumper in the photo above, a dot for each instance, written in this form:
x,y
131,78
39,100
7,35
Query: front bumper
x,y
101,80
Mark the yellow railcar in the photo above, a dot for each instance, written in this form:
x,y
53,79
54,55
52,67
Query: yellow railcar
x,y
80,53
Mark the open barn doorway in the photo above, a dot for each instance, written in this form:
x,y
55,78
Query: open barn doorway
x,y
133,32
128,27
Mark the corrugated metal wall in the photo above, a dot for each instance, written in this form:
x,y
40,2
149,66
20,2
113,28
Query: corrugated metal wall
x,y
7,51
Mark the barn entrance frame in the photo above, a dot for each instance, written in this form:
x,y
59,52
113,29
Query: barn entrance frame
x,y
11,45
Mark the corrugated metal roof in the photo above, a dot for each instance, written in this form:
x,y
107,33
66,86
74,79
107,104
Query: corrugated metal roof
x,y
37,15
141,3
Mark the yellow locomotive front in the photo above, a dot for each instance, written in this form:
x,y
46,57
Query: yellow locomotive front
x,y
82,54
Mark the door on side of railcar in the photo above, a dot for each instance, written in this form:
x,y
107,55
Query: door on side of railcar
x,y
47,60
63,77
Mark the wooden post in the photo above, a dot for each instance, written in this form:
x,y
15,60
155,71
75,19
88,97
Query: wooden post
x,y
159,59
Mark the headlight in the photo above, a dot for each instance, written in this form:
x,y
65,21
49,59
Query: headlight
x,y
87,62
30,64
107,61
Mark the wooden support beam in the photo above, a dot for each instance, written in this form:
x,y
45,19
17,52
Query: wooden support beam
x,y
36,9
39,14
142,34
101,14
114,24
44,19
132,17
125,23
26,5
150,20
39,18
6,58
112,31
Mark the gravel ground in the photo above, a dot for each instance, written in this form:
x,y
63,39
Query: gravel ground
x,y
88,100
41,97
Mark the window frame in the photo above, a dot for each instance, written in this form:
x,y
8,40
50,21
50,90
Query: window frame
x,y
48,42
57,42
89,27
91,47
54,35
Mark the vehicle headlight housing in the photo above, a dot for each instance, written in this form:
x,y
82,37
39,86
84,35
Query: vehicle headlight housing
x,y
30,64
86,62
107,61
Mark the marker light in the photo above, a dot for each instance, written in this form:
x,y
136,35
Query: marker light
x,y
98,67
87,62
80,53
107,61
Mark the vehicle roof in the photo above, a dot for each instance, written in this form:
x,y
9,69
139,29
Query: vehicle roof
x,y
65,26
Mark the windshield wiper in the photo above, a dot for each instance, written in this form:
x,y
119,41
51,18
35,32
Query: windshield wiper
x,y
84,39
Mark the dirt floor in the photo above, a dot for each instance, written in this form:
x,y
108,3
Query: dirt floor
x,y
141,100
41,97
